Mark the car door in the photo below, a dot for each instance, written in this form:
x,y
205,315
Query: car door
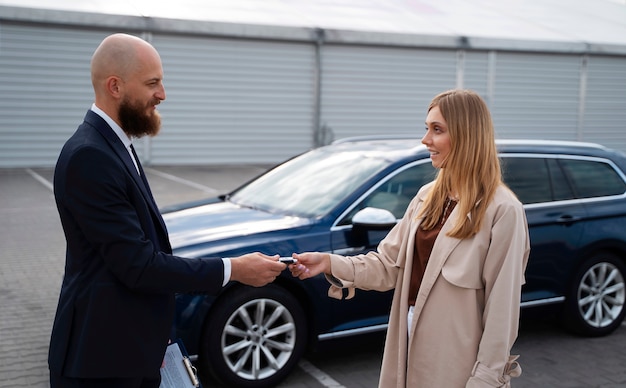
x,y
602,187
393,193
554,220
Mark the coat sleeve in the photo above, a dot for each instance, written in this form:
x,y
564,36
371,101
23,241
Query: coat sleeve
x,y
503,275
376,270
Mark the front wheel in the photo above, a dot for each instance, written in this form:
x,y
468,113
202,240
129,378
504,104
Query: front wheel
x,y
595,306
253,337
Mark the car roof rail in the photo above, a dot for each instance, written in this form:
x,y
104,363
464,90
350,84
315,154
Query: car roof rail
x,y
374,137
569,143
538,142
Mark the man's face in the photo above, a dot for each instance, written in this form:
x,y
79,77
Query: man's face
x,y
138,118
143,91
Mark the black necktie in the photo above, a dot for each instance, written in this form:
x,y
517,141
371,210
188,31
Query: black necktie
x,y
156,216
142,174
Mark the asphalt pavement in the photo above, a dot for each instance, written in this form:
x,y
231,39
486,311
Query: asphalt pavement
x,y
32,250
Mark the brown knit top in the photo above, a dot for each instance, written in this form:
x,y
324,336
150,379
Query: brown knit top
x,y
424,241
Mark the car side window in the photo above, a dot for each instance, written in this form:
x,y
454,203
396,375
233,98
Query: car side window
x,y
396,193
529,178
592,178
561,188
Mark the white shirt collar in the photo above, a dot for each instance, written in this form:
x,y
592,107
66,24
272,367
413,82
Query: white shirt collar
x,y
118,131
116,128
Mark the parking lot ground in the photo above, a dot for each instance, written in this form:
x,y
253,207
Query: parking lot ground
x,y
32,249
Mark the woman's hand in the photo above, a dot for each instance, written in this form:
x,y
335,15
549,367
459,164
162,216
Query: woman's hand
x,y
310,264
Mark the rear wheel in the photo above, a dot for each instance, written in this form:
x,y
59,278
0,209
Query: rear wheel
x,y
253,337
595,305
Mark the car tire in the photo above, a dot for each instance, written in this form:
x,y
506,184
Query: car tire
x,y
595,305
253,337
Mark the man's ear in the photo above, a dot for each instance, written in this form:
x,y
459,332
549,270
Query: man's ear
x,y
114,86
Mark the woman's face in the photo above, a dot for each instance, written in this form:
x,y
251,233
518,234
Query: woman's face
x,y
437,138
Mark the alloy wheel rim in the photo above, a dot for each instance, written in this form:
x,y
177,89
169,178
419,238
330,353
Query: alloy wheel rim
x,y
601,295
258,339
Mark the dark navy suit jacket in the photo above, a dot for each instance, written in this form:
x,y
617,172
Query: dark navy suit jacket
x,y
116,305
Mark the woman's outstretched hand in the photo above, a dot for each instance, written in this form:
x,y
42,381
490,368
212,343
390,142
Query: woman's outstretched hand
x,y
310,264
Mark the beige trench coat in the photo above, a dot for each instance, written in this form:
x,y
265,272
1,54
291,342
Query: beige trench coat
x,y
467,310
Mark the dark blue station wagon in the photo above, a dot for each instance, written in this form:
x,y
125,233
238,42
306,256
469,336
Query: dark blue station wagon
x,y
574,195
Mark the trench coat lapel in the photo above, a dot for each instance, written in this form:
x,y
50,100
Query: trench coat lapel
x,y
442,249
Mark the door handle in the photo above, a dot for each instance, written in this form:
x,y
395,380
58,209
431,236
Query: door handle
x,y
567,219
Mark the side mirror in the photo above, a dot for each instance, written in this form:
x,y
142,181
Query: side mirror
x,y
370,225
374,218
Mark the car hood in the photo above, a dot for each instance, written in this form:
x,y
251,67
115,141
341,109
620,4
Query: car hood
x,y
223,221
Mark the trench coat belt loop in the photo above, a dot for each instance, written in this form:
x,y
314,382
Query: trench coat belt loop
x,y
511,369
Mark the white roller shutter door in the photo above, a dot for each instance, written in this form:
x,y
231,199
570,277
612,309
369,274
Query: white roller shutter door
x,y
45,90
381,91
233,101
476,73
536,95
605,104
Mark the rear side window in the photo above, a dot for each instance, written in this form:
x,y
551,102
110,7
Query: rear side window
x,y
593,178
529,178
561,188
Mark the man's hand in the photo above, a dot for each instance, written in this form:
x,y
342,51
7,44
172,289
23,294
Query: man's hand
x,y
256,269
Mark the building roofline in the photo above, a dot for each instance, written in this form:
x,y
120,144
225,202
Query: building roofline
x,y
141,23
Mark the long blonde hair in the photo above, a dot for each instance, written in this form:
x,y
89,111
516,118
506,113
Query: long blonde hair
x,y
472,169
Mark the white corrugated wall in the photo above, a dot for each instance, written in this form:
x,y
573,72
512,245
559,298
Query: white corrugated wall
x,y
381,90
235,100
604,119
45,90
536,95
475,73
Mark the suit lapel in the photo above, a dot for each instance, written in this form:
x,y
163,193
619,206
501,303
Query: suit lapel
x,y
145,190
120,150
116,144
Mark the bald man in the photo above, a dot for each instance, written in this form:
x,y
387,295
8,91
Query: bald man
x,y
116,306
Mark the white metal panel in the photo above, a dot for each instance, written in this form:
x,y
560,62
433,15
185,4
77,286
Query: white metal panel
x,y
252,101
233,101
536,95
378,90
605,103
45,90
476,73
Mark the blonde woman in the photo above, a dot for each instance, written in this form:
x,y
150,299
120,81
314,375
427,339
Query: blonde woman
x,y
456,261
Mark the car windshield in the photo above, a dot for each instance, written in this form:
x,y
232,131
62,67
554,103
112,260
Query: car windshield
x,y
311,184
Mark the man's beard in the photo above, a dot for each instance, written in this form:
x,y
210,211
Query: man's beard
x,y
135,122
